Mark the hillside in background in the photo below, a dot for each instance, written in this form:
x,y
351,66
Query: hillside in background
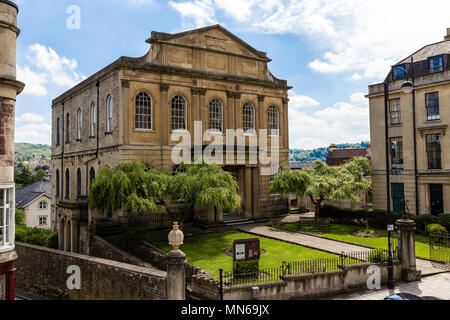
x,y
38,153
41,153
301,155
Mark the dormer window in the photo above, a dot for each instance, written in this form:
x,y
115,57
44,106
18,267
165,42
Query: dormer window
x,y
399,72
436,64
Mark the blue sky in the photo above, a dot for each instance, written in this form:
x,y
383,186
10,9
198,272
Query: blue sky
x,y
328,50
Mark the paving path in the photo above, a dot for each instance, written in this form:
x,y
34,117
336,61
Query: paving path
x,y
434,286
328,245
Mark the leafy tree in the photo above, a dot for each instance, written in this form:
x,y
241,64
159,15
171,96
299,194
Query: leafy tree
x,y
25,176
203,184
39,175
133,185
325,182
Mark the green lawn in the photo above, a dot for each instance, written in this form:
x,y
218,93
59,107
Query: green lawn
x,y
207,252
344,233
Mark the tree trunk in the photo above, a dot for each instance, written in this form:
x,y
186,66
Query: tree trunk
x,y
317,210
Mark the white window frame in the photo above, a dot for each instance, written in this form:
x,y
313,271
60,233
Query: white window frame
x,y
43,207
79,123
271,116
7,229
42,224
137,114
176,116
216,117
251,130
109,114
93,113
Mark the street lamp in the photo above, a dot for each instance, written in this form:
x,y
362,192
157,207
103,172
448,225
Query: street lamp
x,y
407,87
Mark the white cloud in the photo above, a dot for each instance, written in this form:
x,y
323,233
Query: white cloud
x,y
29,117
45,67
34,81
33,133
202,11
363,37
299,102
344,122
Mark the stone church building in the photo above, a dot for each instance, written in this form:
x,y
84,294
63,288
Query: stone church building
x,y
130,109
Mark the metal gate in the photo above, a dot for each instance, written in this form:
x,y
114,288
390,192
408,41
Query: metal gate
x,y
440,249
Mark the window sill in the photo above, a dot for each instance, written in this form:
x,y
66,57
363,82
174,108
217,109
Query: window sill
x,y
396,125
142,130
79,140
180,131
7,248
91,137
67,142
108,133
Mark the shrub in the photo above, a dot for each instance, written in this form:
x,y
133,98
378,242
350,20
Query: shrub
x,y
20,218
377,256
435,228
249,266
444,220
37,236
269,224
423,220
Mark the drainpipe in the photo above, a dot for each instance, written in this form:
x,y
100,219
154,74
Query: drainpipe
x,y
415,136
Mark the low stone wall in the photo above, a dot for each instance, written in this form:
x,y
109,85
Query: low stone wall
x,y
312,286
43,271
103,249
203,287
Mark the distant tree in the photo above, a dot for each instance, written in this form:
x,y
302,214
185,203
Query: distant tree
x,y
24,176
133,186
39,175
325,182
203,184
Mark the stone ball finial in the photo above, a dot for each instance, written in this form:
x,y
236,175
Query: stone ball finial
x,y
176,237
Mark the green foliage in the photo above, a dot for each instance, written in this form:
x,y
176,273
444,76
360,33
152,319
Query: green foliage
x,y
136,235
29,151
444,220
25,176
130,185
423,220
37,236
302,155
269,224
435,228
325,182
204,184
20,218
243,267
377,256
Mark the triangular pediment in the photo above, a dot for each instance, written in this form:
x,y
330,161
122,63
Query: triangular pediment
x,y
213,37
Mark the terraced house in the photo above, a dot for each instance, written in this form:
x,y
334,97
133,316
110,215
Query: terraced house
x,y
130,109
418,123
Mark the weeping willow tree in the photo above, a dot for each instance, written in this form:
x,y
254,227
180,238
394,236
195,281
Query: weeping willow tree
x,y
325,182
200,185
133,186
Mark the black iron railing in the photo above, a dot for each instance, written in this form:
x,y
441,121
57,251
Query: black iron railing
x,y
308,267
440,248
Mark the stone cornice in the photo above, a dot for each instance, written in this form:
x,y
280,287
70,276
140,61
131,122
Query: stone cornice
x,y
19,86
9,26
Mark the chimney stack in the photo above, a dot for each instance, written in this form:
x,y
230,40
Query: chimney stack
x,y
447,37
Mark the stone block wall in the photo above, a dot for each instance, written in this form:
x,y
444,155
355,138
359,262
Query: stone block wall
x,y
43,271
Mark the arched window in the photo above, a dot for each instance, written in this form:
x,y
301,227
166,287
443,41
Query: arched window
x,y
92,175
273,121
43,205
93,119
79,183
143,117
178,113
109,114
248,118
58,132
68,127
57,183
79,123
67,186
215,115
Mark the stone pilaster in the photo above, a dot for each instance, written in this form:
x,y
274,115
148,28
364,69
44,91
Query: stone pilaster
x,y
230,110
176,275
286,123
248,193
164,115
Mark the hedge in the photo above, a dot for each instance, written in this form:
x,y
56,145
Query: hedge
x,y
37,236
378,218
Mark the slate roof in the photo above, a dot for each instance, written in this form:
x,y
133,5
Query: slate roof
x,y
26,195
337,157
301,165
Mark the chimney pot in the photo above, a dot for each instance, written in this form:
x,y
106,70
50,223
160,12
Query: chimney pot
x,y
447,37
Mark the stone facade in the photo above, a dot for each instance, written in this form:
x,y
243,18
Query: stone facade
x,y
198,66
9,89
433,168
